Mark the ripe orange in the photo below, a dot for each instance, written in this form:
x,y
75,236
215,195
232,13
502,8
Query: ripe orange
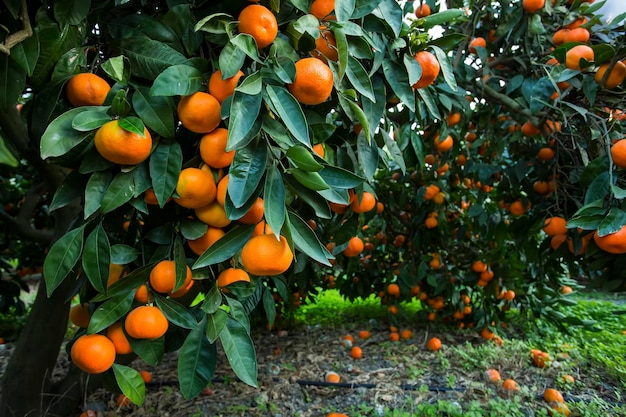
x,y
213,149
322,8
581,35
213,215
552,395
430,69
354,248
119,339
319,150
122,401
566,289
332,377
313,82
443,145
87,89
568,379
578,52
221,88
255,213
559,37
198,246
163,276
364,334
394,336
612,243
115,273
517,207
195,188
120,146
422,10
230,275
145,375
560,409
146,322
453,119
529,129
406,334
199,112
476,43
555,226
615,77
142,295
326,47
79,315
509,295
336,415
487,334
356,352
367,203
260,23
433,344
93,353
510,385
533,6
431,222
393,290
264,255
492,375
545,154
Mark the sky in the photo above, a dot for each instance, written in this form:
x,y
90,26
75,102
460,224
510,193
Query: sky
x,y
612,8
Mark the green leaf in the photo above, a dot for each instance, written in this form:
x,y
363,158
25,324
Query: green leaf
x,y
374,110
196,362
394,151
156,112
225,247
60,137
244,111
90,120
247,45
311,180
431,105
193,229
390,13
177,80
212,300
118,68
180,263
274,199
149,350
356,114
344,9
337,177
71,12
614,221
120,106
448,42
133,124
368,155
148,58
290,112
120,191
6,155
130,382
70,190
446,68
26,53
97,258
442,17
215,324
246,172
165,164
239,351
307,242
123,254
359,78
303,159
95,190
61,258
269,305
598,188
398,79
110,311
312,198
231,60
176,313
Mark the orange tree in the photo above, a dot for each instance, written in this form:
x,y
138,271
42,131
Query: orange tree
x,y
511,184
179,150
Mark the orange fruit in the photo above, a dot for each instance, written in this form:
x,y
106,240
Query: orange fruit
x,y
510,385
581,35
221,88
545,154
541,187
163,276
213,149
260,23
313,82
559,37
79,315
222,189
578,52
566,289
336,415
120,146
326,47
364,334
146,376
568,379
230,275
198,246
478,42
356,352
552,395
615,77
262,228
199,112
332,377
509,295
146,322
393,290
406,334
431,222
487,334
492,375
93,353
319,150
394,336
119,339
213,215
581,20
367,203
555,226
453,119
87,89
517,207
618,153
479,266
322,8
264,255
150,197
195,188
533,6
122,401
354,248
255,213
430,69
433,344
612,243
559,409
422,10
142,295
529,129
443,145
115,273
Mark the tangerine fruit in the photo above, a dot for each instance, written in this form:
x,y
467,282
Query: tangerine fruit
x,y
146,322
259,22
575,54
613,242
119,339
322,8
313,82
264,255
195,188
230,275
433,344
213,149
120,146
93,353
163,276
354,248
199,112
221,88
87,89
204,242
430,69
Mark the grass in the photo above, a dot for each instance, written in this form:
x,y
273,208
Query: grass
x,y
596,359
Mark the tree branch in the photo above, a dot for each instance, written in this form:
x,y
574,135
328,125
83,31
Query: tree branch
x,y
17,37
21,224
